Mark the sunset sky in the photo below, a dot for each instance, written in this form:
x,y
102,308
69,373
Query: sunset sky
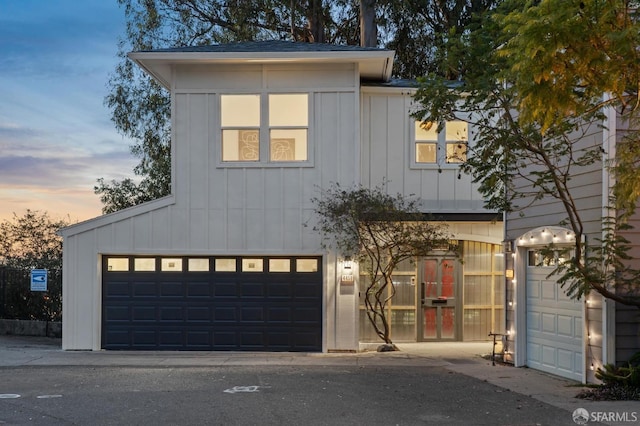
x,y
56,137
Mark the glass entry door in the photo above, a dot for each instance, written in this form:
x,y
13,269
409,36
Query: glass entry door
x,y
438,296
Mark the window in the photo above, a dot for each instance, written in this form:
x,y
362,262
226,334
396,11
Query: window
x,y
117,264
279,265
447,146
171,264
225,265
144,264
306,265
264,129
198,265
252,265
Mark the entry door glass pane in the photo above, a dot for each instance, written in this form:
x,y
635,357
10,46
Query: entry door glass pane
x,y
430,330
448,278
431,278
448,322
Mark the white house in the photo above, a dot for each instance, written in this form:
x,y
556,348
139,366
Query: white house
x,y
226,263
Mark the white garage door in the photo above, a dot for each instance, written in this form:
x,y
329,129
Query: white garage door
x,y
554,324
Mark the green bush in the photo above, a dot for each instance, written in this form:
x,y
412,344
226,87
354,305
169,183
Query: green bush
x,y
627,375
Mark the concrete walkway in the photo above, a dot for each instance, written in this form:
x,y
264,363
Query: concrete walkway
x,y
466,358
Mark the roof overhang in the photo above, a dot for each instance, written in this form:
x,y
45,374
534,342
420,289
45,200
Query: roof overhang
x,y
375,65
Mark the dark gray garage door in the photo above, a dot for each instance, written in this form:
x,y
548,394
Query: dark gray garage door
x,y
212,303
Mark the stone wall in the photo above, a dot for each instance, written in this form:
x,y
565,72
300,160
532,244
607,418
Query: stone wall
x,y
31,328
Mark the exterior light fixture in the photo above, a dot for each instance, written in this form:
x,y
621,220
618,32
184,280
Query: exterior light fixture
x,y
347,262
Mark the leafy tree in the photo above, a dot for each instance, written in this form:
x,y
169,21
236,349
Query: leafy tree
x,y
27,242
566,55
380,231
141,108
520,157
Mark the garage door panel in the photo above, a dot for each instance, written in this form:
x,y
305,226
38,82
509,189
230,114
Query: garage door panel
x,y
307,290
554,326
171,338
279,315
548,290
248,290
565,326
225,290
171,289
280,290
144,313
252,314
199,339
171,314
144,289
117,289
198,314
144,338
198,290
225,314
209,310
548,323
117,313
120,339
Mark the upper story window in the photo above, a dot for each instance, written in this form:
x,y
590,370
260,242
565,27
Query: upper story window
x,y
265,128
448,146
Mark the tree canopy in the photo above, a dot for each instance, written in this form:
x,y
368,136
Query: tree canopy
x,y
530,139
31,241
419,31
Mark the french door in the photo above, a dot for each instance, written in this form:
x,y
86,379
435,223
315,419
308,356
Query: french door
x,y
439,282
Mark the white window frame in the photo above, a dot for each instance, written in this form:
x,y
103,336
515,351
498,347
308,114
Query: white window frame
x,y
264,160
441,162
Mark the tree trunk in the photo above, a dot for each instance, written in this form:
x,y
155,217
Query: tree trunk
x,y
316,21
368,28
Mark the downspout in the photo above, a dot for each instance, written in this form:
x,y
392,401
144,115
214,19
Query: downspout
x,y
608,181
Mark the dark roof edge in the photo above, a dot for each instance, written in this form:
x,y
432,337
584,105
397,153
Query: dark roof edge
x,y
463,217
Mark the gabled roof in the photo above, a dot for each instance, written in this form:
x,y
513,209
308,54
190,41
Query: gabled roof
x,y
374,64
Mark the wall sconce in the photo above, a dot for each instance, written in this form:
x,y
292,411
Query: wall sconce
x,y
507,246
347,262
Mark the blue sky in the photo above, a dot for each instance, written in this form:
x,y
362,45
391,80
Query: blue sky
x,y
56,137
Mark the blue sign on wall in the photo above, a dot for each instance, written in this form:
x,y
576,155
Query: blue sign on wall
x,y
38,280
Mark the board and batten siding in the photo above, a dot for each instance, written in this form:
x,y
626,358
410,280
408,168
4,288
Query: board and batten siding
x,y
217,208
387,141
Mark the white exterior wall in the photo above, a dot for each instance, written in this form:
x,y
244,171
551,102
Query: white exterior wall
x,y
388,138
231,210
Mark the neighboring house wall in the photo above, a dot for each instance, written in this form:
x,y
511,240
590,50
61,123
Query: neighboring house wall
x,y
627,318
226,208
586,189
